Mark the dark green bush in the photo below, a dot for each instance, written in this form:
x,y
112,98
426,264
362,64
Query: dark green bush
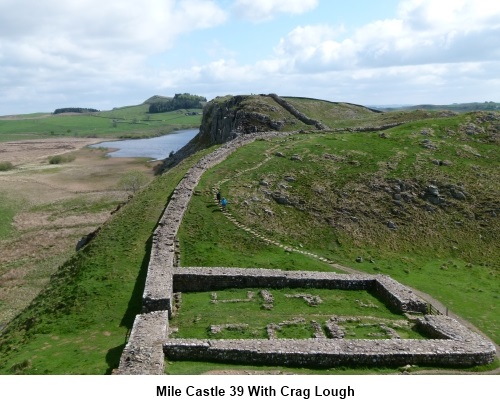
x,y
58,159
5,166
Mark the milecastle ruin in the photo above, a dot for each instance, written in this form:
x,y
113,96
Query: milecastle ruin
x,y
451,343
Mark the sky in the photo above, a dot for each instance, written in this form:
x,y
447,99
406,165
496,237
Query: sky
x,y
105,54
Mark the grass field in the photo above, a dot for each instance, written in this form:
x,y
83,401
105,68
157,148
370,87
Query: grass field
x,y
126,122
201,313
45,209
7,212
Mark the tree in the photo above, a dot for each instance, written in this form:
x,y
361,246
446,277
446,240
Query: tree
x,y
133,181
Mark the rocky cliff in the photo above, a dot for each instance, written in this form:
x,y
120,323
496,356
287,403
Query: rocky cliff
x,y
225,118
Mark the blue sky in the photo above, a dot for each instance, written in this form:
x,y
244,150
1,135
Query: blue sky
x,y
90,53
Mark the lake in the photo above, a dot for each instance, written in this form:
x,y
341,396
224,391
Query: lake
x,y
155,148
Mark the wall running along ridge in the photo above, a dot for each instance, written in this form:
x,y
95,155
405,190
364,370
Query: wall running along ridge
x,y
452,343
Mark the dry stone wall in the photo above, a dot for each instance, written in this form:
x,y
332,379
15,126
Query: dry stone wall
x,y
158,286
143,353
301,116
335,352
394,294
157,296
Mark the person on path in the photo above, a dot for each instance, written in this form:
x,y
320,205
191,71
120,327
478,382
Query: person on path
x,y
218,196
223,203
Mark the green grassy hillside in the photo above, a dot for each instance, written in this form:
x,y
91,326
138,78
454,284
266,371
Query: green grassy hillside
x,y
418,202
125,122
457,107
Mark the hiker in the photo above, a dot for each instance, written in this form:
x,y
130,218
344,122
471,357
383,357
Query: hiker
x,y
223,203
218,196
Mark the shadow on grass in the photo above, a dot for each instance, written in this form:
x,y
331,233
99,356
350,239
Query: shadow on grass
x,y
134,308
113,358
135,303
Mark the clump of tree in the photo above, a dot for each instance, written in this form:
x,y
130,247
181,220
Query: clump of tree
x,y
184,100
5,166
58,159
74,110
133,181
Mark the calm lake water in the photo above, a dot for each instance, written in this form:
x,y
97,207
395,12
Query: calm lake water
x,y
154,148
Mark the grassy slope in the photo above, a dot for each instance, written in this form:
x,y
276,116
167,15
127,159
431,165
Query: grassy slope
x,y
207,239
344,115
78,325
7,212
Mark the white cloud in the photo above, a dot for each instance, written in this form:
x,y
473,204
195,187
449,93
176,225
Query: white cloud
x,y
151,25
91,43
425,32
430,51
446,15
263,10
100,51
314,48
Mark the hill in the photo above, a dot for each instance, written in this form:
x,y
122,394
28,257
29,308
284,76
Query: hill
x,y
156,98
123,122
410,194
456,107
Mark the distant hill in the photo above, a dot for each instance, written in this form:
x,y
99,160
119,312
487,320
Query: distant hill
x,y
456,107
133,121
156,99
225,117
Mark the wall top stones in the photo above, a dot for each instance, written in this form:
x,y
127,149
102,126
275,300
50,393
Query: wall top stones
x,y
143,353
260,272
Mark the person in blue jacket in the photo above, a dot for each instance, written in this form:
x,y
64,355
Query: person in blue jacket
x,y
223,203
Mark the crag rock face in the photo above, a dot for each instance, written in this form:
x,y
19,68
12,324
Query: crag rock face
x,y
221,121
224,118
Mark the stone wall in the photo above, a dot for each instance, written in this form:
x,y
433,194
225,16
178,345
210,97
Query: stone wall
x,y
335,352
158,286
143,353
396,296
217,278
143,356
296,113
